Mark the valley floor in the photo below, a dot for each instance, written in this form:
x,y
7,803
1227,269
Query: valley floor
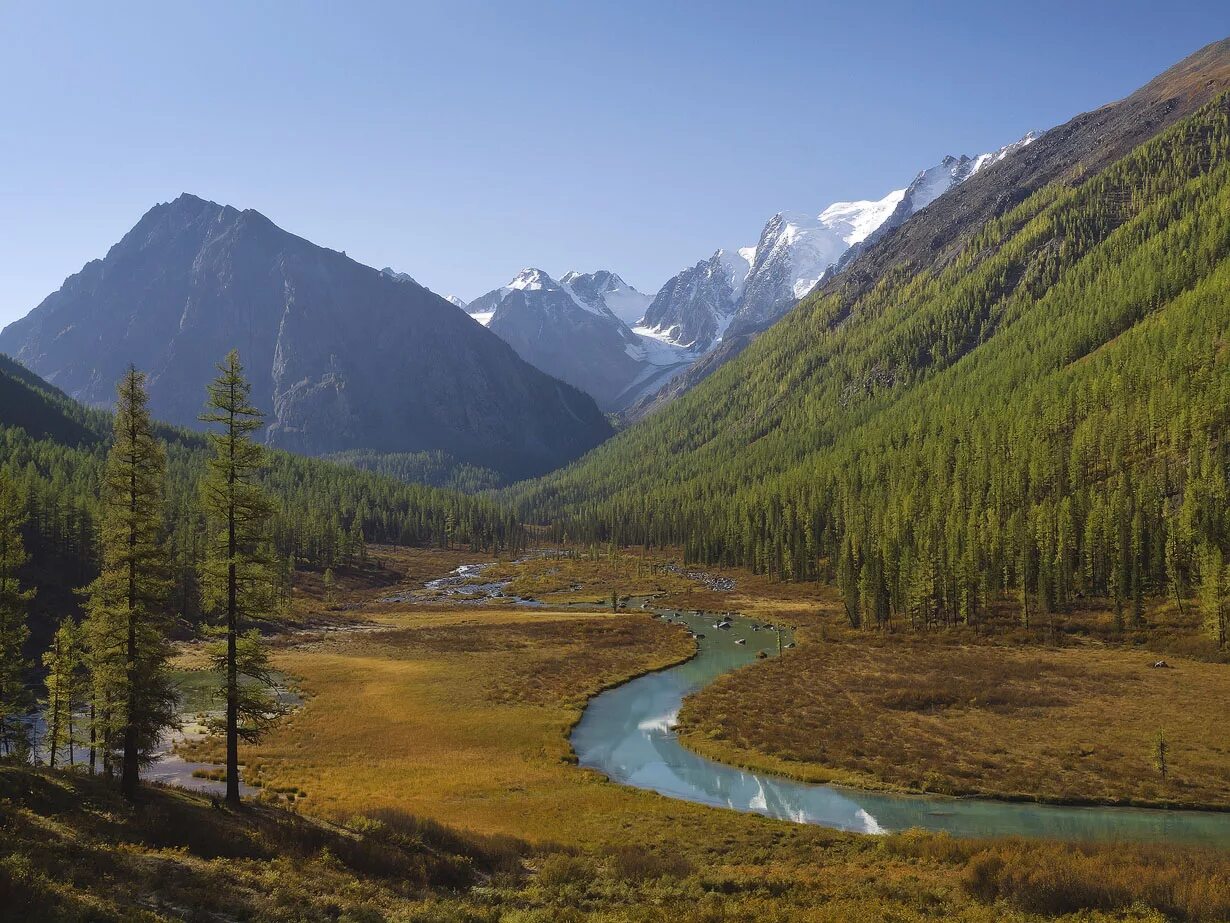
x,y
994,713
457,712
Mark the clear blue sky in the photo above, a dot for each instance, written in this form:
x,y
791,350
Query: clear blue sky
x,y
460,141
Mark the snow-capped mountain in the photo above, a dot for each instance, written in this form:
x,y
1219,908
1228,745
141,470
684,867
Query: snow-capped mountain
x,y
932,183
694,307
570,329
741,290
605,287
455,301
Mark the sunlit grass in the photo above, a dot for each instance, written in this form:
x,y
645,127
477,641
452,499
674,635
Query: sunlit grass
x,y
461,713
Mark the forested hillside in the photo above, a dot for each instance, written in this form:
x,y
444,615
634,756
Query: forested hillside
x,y
52,449
1041,412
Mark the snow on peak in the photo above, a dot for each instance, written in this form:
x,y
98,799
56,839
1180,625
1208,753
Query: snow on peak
x,y
604,290
854,221
985,160
797,249
737,263
531,279
454,300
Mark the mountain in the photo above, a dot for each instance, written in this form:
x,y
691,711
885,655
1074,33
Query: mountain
x,y
43,411
928,186
406,277
53,451
743,290
695,306
341,356
1022,391
570,329
605,288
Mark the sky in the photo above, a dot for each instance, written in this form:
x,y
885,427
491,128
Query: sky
x,y
461,141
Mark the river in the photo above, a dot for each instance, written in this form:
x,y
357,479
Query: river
x,y
628,734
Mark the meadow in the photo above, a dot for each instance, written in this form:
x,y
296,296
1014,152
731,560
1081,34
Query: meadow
x,y
459,713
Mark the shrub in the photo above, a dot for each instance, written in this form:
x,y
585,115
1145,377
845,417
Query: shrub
x,y
632,864
561,869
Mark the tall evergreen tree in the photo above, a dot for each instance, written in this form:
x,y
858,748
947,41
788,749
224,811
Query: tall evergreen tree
x,y
1213,601
127,619
63,681
15,699
240,578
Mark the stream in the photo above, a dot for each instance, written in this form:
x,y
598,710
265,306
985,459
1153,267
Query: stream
x,y
196,704
627,733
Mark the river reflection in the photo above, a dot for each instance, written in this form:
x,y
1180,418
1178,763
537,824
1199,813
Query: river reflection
x,y
627,733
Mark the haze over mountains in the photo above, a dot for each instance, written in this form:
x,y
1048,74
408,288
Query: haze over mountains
x,y
341,355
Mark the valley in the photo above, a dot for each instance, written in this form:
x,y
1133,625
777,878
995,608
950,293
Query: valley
x,y
461,712
877,570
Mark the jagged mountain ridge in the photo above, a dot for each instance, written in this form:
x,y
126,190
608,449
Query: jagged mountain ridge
x,y
570,328
341,356
743,290
1084,319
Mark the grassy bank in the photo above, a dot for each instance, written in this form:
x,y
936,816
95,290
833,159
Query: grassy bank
x,y
1068,711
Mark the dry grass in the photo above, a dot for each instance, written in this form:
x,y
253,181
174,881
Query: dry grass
x,y
1075,724
460,714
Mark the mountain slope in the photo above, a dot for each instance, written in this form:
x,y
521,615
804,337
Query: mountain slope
x,y
341,356
695,306
42,411
1039,407
568,329
743,290
1068,155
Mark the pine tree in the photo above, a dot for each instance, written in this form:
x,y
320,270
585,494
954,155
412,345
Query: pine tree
x,y
1213,594
126,617
240,571
15,701
63,662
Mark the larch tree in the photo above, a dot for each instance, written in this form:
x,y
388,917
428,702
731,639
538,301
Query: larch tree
x,y
15,700
62,661
1213,601
127,621
240,578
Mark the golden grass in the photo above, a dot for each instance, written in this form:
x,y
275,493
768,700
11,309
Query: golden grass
x,y
461,713
1076,724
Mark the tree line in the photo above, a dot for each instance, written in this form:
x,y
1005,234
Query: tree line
x,y
179,531
53,453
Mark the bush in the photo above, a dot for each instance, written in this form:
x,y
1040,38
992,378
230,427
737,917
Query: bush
x,y
561,869
1057,878
636,865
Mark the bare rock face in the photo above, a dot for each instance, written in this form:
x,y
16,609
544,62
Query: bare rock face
x,y
340,355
